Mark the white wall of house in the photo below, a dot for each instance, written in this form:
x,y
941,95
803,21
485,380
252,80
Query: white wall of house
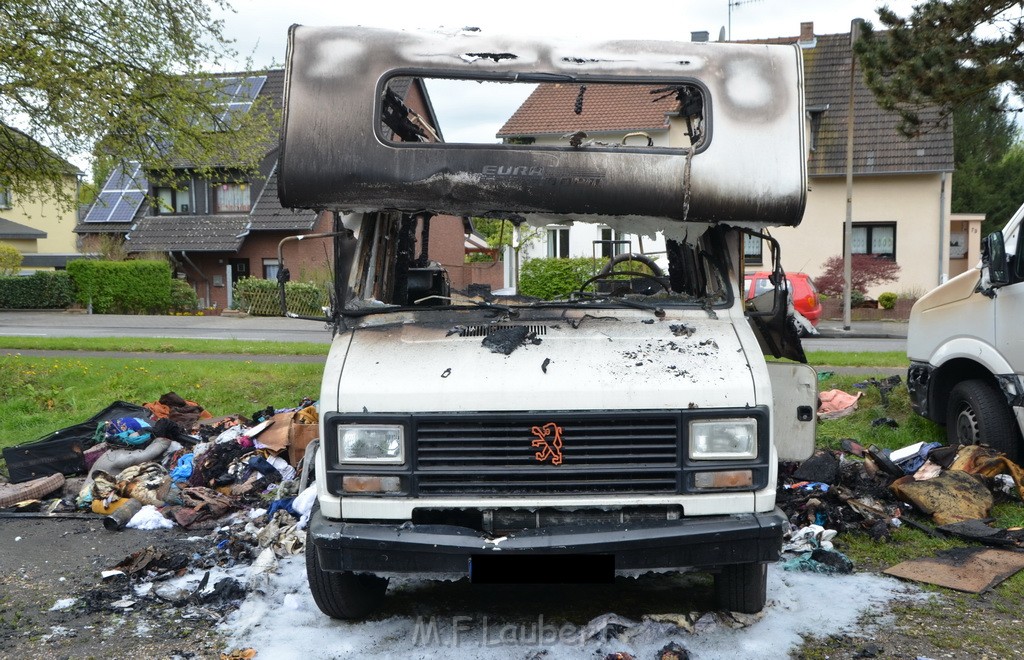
x,y
582,237
909,208
910,205
913,203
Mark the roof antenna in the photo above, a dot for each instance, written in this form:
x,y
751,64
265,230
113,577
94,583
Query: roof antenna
x,y
736,3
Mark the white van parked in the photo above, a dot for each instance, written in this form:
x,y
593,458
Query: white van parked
x,y
965,342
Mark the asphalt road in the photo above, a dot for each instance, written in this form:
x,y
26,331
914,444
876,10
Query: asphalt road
x,y
863,336
250,328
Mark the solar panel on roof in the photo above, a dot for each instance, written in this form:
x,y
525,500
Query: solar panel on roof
x,y
126,206
251,87
124,179
240,94
229,87
121,195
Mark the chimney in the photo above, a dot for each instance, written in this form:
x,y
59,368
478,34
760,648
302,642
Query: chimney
x,y
699,36
807,38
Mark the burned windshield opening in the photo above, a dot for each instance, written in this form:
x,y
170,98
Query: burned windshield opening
x,y
427,261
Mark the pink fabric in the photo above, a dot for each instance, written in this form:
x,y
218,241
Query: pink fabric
x,y
833,404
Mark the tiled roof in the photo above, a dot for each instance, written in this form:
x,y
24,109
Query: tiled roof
x,y
102,227
878,146
268,215
11,230
272,90
550,110
192,233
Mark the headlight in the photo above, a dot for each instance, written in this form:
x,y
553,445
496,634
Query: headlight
x,y
371,443
717,439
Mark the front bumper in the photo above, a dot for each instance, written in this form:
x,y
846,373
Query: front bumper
x,y
699,542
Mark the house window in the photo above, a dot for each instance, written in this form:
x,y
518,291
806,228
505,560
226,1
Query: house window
x,y
558,243
878,239
171,200
613,243
752,247
5,198
270,269
231,198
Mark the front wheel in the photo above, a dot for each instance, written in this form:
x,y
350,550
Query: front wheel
x,y
342,595
978,413
742,588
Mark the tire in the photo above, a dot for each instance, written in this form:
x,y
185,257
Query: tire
x,y
342,595
742,588
978,413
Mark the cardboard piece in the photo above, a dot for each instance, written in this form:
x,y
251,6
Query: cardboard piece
x,y
287,433
973,570
301,435
276,435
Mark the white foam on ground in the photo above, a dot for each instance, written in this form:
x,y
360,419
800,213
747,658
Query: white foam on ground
x,y
283,622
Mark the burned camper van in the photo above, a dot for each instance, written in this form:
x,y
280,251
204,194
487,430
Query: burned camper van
x,y
630,425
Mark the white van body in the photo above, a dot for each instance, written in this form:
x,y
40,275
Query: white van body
x,y
965,342
610,432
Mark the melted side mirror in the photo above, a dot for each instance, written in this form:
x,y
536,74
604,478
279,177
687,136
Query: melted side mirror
x,y
993,259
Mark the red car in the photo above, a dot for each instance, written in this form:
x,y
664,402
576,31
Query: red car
x,y
803,293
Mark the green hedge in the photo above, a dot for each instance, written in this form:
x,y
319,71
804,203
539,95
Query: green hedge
x,y
262,298
122,287
556,278
41,290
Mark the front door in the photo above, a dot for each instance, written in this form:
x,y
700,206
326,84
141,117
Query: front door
x,y
239,269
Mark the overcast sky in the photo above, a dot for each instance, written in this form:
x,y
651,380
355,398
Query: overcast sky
x,y
260,29
260,26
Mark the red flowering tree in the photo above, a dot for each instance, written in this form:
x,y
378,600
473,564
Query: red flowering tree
x,y
866,270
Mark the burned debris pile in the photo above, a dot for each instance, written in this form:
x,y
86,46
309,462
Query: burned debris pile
x,y
944,491
238,482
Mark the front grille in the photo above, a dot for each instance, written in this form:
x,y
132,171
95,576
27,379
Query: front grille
x,y
471,455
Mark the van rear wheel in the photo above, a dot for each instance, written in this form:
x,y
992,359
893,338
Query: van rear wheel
x,y
342,595
978,413
742,588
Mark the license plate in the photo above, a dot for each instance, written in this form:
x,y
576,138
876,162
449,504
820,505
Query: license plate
x,y
503,568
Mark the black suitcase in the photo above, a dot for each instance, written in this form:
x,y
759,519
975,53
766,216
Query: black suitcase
x,y
61,451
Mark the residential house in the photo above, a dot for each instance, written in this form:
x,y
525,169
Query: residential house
x,y
901,189
615,114
214,229
901,186
217,230
40,227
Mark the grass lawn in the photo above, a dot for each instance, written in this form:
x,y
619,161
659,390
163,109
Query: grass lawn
x,y
40,395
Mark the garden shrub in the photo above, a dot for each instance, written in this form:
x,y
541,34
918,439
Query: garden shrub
x,y
556,278
183,297
40,290
10,260
887,300
866,270
122,287
261,297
